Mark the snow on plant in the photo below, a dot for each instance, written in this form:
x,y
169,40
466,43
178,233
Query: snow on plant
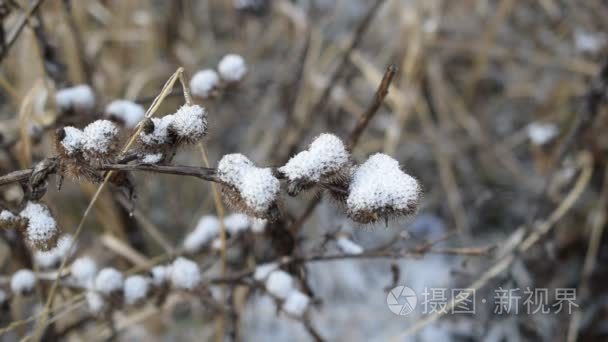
x,y
380,189
135,289
160,274
326,157
185,274
23,282
100,139
204,82
83,271
296,304
52,258
207,228
77,99
232,68
95,302
156,131
347,246
189,123
41,231
109,281
279,284
263,271
72,141
126,112
248,188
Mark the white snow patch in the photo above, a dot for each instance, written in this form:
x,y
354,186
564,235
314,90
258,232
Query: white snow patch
x,y
232,68
296,304
190,122
325,155
99,136
129,112
279,284
204,82
23,282
185,274
109,280
79,98
135,289
541,133
207,229
347,246
83,271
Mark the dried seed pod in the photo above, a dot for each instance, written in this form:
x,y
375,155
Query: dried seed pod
x,y
100,140
189,123
381,190
326,160
248,188
41,231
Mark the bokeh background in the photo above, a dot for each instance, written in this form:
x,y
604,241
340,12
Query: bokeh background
x,y
491,110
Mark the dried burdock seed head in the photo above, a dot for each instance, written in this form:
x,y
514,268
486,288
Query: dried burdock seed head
x,y
189,123
380,190
206,230
41,231
100,139
185,274
136,289
8,220
155,131
109,281
232,68
204,83
325,160
279,284
126,112
83,271
77,99
248,188
69,141
296,304
23,282
53,257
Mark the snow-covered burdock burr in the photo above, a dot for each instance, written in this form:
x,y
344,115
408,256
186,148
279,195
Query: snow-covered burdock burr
x,y
248,189
23,282
189,123
185,274
77,99
296,304
279,284
109,281
83,271
380,190
100,139
207,228
41,231
136,289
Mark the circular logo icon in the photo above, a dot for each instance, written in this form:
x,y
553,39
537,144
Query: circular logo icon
x,y
401,300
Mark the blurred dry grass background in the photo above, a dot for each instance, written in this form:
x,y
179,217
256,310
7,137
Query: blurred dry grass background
x,y
473,75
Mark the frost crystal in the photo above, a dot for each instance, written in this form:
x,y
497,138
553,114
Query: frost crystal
x,y
326,155
263,271
257,186
99,136
84,270
23,282
379,188
41,228
160,134
207,229
160,274
95,302
78,98
135,289
279,284
152,158
542,133
189,122
347,246
108,280
236,223
73,140
204,82
185,274
128,112
296,304
232,68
